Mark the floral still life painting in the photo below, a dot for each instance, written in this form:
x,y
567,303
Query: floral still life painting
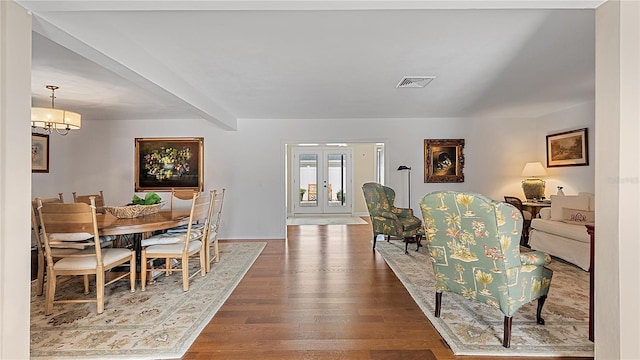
x,y
169,163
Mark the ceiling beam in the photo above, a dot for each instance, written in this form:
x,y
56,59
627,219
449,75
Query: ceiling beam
x,y
130,62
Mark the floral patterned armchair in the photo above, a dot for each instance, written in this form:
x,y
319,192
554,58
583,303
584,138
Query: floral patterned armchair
x,y
387,219
474,244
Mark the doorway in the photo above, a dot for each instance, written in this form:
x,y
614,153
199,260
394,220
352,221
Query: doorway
x,y
322,181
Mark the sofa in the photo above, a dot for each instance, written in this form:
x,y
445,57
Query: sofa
x,y
560,229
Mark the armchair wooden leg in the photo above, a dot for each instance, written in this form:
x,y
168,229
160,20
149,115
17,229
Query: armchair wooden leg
x,y
406,245
541,301
506,340
374,240
438,303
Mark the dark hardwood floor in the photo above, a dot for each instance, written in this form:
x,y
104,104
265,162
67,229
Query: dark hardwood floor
x,y
321,294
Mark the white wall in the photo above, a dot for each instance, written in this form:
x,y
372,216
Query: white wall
x,y
250,162
617,313
15,170
573,178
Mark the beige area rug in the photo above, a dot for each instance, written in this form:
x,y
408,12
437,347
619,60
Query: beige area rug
x,y
325,220
473,328
160,323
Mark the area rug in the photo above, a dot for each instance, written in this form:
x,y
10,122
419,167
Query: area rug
x,y
473,328
325,220
160,323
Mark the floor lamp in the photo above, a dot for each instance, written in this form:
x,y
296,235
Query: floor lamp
x,y
404,167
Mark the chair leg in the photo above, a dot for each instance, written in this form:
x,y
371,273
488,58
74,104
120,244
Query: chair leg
x,y
203,263
51,292
143,270
185,273
506,340
86,284
438,303
541,301
406,245
418,242
132,271
40,276
374,240
100,290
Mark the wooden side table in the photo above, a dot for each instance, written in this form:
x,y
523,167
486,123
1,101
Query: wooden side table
x,y
534,207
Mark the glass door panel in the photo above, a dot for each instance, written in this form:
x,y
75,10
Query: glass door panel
x,y
321,181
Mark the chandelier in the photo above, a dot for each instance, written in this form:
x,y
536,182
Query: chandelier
x,y
54,119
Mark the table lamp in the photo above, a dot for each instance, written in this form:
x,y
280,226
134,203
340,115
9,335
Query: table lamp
x,y
533,186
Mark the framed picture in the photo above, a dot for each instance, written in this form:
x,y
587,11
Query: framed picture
x,y
443,160
39,153
568,148
166,163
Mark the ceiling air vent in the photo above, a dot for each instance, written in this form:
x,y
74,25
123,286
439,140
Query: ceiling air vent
x,y
415,81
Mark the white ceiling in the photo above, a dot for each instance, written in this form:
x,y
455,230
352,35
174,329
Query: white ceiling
x,y
224,60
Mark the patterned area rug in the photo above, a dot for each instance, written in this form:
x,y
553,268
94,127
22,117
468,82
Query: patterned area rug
x,y
160,323
473,328
325,220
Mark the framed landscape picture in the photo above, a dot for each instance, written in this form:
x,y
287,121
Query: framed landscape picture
x,y
162,164
39,153
443,160
569,148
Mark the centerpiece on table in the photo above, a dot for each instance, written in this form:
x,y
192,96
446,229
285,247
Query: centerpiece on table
x,y
138,206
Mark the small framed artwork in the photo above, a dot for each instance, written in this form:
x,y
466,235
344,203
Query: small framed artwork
x,y
163,164
569,148
443,160
39,153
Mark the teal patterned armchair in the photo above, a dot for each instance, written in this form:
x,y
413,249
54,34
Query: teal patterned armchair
x,y
387,219
474,244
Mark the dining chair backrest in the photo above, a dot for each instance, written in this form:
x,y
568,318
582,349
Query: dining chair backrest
x,y
181,199
35,218
70,223
37,238
215,214
216,209
99,200
199,214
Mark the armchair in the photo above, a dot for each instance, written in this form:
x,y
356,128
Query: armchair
x,y
474,244
387,219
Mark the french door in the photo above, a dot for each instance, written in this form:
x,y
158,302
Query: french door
x,y
321,181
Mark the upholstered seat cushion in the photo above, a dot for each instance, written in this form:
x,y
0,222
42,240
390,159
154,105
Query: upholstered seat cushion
x,y
410,223
559,228
171,238
109,256
173,248
184,228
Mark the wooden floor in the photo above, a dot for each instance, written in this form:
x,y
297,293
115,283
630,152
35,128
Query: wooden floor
x,y
321,294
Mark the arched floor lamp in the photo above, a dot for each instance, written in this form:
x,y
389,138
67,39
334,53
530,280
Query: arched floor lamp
x,y
404,167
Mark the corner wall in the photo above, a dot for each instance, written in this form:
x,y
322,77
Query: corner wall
x,y
15,172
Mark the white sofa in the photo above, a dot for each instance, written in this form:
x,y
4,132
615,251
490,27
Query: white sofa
x,y
560,231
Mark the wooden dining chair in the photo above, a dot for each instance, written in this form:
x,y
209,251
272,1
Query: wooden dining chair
x,y
99,199
37,236
526,216
217,199
74,224
180,244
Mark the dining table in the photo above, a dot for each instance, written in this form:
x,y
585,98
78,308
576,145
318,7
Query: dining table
x,y
141,227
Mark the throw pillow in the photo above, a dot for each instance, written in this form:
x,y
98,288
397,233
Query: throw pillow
x,y
577,216
567,201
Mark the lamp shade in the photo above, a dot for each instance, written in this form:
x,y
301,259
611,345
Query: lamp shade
x,y
55,118
534,169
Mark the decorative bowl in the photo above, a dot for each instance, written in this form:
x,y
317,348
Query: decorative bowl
x,y
133,211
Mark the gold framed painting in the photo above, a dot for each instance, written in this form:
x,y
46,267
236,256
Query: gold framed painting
x,y
443,160
39,153
569,148
162,164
